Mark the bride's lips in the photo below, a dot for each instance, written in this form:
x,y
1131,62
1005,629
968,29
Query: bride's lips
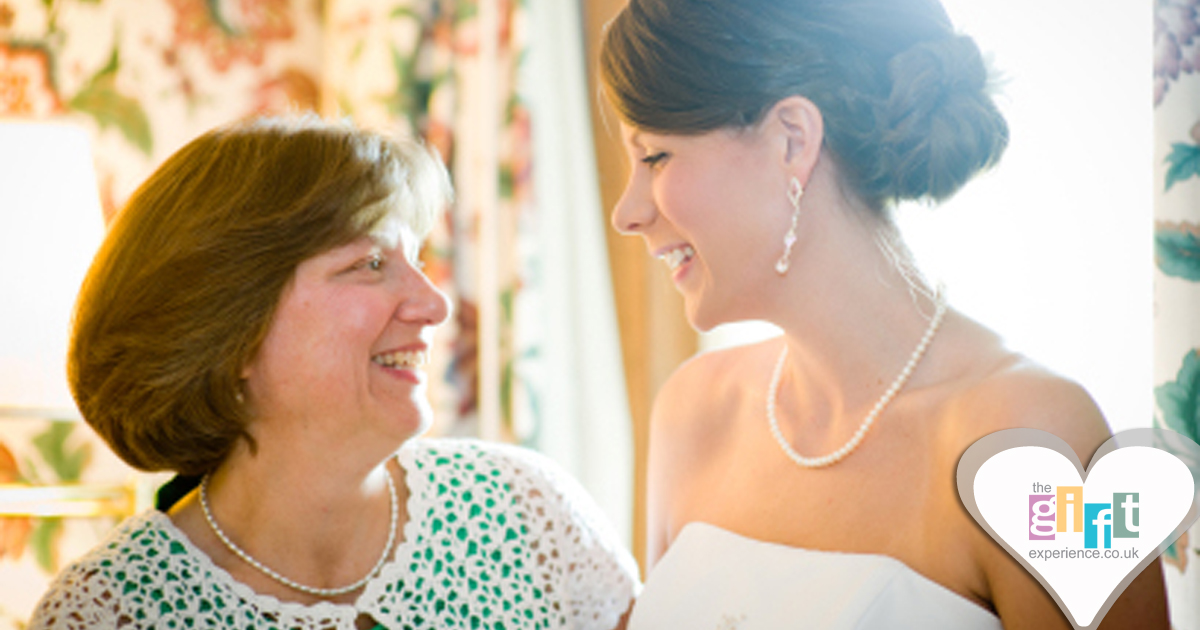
x,y
677,258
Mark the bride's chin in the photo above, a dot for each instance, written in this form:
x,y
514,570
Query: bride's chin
x,y
701,318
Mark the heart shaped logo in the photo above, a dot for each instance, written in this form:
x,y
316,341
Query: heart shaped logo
x,y
1084,534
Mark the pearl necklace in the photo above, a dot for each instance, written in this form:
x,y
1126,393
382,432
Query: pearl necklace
x,y
271,573
848,447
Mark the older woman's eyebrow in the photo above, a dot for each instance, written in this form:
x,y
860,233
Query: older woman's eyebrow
x,y
402,238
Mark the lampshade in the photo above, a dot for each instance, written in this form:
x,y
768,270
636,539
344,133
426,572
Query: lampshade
x,y
50,227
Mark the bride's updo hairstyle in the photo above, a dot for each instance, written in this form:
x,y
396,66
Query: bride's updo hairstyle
x,y
904,98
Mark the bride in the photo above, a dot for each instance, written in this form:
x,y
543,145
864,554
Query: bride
x,y
808,480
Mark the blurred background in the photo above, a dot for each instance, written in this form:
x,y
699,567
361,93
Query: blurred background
x,y
1082,248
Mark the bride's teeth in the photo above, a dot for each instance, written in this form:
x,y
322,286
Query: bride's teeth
x,y
401,359
677,257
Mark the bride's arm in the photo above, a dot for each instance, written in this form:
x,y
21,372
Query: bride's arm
x,y
1035,399
660,459
1022,603
690,419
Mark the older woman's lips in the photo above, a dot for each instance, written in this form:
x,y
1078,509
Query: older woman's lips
x,y
405,364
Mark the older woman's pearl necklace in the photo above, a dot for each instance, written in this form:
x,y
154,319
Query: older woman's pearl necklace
x,y
271,573
896,386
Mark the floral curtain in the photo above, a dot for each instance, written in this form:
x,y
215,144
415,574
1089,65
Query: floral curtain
x,y
1177,258
145,76
446,71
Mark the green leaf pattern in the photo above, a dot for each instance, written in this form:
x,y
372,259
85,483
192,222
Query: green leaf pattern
x,y
61,461
1178,400
101,99
1179,410
67,462
1177,250
44,542
1184,163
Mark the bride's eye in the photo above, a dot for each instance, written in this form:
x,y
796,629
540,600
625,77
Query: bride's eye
x,y
655,159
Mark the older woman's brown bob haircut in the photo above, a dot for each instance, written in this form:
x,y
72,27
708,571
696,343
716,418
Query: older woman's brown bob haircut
x,y
185,286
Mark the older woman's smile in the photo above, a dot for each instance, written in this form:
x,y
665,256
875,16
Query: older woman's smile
x,y
405,363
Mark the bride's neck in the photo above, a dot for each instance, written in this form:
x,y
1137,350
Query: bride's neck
x,y
851,316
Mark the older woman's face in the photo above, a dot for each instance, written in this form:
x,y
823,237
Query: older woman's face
x,y
343,359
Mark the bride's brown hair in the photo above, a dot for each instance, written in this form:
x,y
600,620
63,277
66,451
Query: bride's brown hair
x,y
904,98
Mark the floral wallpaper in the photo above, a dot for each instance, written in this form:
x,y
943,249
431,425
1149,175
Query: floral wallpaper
x,y
33,549
1177,261
146,76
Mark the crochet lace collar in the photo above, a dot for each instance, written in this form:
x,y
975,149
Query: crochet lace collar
x,y
375,597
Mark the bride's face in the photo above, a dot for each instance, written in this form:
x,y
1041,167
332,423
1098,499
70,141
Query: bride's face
x,y
713,207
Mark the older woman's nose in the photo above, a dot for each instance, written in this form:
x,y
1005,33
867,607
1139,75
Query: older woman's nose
x,y
427,305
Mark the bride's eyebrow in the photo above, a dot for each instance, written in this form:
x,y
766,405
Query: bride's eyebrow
x,y
635,139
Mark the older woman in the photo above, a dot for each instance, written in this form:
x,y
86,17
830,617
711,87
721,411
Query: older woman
x,y
808,481
258,319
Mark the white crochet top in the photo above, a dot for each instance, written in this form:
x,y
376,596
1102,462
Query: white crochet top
x,y
498,537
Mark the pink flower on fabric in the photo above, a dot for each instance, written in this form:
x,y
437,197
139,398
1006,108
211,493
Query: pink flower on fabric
x,y
26,87
293,90
14,532
233,30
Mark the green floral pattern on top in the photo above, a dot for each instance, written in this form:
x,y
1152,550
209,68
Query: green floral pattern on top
x,y
498,539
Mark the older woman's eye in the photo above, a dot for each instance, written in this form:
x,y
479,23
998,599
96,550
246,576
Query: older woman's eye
x,y
374,262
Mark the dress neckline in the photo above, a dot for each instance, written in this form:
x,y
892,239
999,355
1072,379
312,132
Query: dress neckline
x,y
405,457
900,565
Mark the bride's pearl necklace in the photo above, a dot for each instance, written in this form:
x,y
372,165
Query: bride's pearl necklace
x,y
274,575
896,386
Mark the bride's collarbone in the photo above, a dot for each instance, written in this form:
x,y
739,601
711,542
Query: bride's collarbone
x,y
862,504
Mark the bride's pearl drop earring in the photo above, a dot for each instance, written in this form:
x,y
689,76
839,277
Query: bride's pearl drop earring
x,y
795,191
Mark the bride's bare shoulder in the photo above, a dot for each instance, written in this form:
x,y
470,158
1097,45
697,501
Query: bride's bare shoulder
x,y
715,378
1017,392
711,385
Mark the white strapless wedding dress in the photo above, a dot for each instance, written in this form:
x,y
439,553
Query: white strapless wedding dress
x,y
713,579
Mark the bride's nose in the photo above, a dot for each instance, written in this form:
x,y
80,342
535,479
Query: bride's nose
x,y
635,209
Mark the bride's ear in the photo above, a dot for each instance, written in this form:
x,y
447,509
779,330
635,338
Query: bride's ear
x,y
798,125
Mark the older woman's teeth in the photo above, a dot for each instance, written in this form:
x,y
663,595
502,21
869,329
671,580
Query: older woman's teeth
x,y
412,359
677,257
